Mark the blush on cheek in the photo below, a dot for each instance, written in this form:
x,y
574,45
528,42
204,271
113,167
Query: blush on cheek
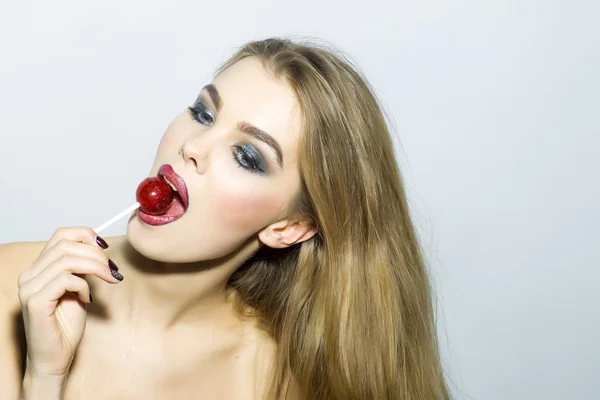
x,y
247,213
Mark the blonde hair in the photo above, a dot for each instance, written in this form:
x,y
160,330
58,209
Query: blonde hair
x,y
351,308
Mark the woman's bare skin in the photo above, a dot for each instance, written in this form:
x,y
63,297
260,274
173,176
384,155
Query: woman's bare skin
x,y
226,359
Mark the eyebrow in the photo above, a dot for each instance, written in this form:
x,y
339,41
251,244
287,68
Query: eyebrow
x,y
214,96
246,127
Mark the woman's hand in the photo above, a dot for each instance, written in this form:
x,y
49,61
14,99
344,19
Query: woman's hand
x,y
54,295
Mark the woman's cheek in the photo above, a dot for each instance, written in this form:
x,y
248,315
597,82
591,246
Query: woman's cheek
x,y
248,210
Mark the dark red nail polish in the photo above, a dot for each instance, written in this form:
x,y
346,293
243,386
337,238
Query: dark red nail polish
x,y
112,265
101,242
114,270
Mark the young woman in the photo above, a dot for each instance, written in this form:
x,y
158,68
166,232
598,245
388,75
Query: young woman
x,y
291,270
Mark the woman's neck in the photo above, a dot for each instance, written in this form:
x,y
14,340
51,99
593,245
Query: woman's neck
x,y
157,297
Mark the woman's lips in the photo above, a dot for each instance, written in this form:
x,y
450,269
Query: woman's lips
x,y
178,206
166,171
175,211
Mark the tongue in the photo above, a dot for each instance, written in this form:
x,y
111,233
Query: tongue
x,y
176,209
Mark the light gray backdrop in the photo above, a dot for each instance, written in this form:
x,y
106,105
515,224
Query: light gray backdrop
x,y
496,104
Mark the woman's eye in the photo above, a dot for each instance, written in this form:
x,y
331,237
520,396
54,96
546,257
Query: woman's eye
x,y
249,158
202,114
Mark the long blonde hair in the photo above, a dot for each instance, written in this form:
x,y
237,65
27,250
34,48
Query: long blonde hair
x,y
351,308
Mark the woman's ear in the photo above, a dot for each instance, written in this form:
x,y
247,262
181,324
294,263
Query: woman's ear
x,y
286,233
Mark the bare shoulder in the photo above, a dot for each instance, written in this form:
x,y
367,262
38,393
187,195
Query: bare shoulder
x,y
14,258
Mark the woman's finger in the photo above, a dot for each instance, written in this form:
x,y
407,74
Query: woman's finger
x,y
83,234
71,264
43,303
61,248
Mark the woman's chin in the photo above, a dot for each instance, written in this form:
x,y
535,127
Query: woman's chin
x,y
162,244
148,240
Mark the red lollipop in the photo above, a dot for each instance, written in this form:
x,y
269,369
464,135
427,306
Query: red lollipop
x,y
154,195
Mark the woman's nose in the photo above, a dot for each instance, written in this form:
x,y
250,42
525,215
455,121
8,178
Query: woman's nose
x,y
195,151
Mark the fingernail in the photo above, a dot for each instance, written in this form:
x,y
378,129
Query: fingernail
x,y
91,298
101,242
114,270
112,265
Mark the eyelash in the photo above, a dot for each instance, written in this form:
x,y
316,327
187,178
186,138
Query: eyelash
x,y
198,109
249,162
242,157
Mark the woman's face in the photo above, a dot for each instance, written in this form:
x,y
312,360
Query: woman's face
x,y
235,183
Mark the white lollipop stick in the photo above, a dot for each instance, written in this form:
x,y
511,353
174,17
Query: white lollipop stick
x,y
117,217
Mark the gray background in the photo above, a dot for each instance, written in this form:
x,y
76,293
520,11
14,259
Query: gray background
x,y
496,104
